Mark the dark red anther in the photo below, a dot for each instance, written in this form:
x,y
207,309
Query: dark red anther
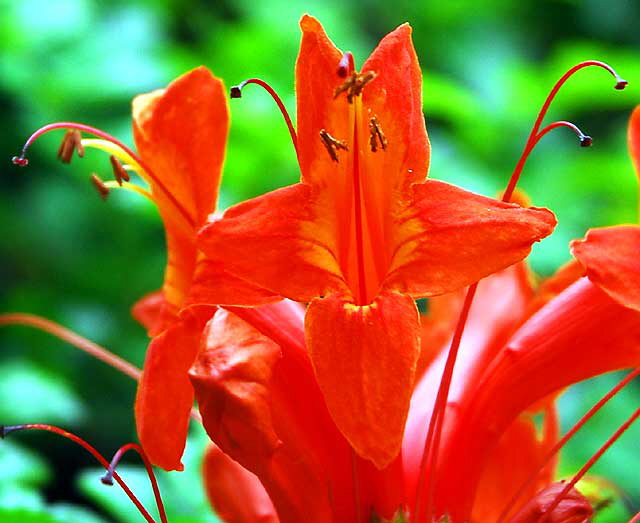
x,y
119,172
102,189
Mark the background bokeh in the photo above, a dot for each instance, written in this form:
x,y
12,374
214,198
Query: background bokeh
x,y
66,255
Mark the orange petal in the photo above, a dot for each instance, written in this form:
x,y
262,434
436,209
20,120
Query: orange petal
x,y
277,241
365,361
316,79
181,133
449,238
231,377
579,334
610,256
517,454
235,493
394,97
213,284
634,138
165,395
259,402
149,311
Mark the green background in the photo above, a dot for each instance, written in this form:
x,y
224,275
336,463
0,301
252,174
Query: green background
x,y
66,255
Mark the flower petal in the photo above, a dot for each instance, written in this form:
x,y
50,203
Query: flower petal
x,y
610,257
279,241
394,97
165,395
448,238
151,312
365,361
579,334
214,285
235,493
181,133
316,79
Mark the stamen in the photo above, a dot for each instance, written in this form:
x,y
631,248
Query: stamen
x,y
107,478
585,468
236,92
102,189
4,430
354,85
149,176
432,441
72,141
332,144
562,441
533,136
119,171
376,135
346,65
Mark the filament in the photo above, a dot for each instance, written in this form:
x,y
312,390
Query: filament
x,y
532,140
432,441
119,150
89,448
236,92
107,479
585,468
561,442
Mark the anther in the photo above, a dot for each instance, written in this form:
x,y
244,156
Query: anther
x,y
346,66
71,142
354,85
119,172
332,144
102,189
376,135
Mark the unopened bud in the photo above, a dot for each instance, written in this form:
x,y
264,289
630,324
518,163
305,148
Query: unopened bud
x,y
572,508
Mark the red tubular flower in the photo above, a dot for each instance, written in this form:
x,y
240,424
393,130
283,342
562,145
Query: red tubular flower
x,y
363,234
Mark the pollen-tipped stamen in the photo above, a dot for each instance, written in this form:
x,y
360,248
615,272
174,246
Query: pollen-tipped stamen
x,y
236,92
562,441
74,126
102,189
107,478
5,430
596,456
71,142
533,136
119,172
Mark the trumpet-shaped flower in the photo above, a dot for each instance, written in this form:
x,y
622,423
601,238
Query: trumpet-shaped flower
x,y
363,234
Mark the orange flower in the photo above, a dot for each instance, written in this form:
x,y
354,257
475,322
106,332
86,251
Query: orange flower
x,y
363,234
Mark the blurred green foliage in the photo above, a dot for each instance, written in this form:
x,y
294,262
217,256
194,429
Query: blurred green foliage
x,y
488,65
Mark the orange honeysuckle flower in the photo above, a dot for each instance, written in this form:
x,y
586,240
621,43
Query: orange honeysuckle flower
x,y
363,234
180,133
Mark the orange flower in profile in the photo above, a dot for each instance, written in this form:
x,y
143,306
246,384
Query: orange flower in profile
x,y
363,234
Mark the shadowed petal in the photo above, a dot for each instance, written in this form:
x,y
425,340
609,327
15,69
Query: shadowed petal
x,y
634,138
365,360
235,493
165,395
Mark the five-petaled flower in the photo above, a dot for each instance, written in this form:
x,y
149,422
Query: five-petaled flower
x,y
363,234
